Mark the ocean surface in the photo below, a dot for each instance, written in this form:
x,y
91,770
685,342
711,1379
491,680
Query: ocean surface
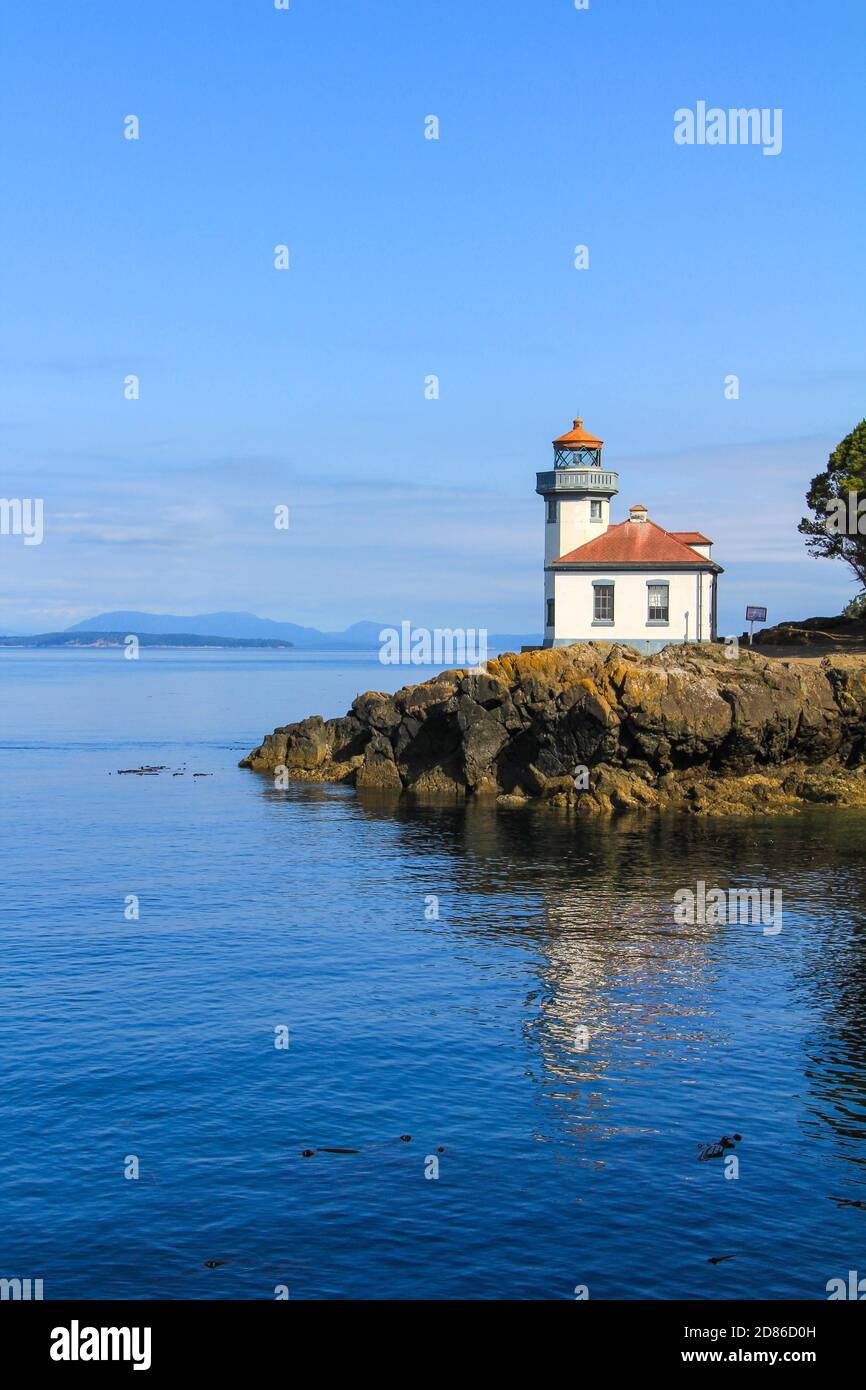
x,y
434,967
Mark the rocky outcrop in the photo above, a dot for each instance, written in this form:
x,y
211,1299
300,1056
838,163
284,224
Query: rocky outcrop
x,y
600,728
843,633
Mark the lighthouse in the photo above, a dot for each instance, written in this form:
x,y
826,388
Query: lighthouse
x,y
632,581
576,493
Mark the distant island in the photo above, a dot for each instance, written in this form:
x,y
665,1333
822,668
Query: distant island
x,y
145,639
240,626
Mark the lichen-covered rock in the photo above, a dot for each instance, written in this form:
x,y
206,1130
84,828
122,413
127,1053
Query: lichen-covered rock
x,y
599,728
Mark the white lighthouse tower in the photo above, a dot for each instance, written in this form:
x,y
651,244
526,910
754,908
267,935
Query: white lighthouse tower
x,y
577,495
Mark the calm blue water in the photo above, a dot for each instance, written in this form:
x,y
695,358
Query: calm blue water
x,y
306,908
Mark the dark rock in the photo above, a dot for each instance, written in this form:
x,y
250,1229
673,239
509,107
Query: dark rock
x,y
407,730
377,711
378,771
483,740
484,690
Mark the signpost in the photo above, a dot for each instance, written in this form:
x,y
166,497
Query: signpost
x,y
754,615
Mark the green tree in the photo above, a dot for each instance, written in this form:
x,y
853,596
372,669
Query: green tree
x,y
834,530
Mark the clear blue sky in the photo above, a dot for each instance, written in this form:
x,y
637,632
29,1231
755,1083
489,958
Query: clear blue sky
x,y
411,257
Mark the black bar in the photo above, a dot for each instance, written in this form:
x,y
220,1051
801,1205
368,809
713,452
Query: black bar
x,y
221,1337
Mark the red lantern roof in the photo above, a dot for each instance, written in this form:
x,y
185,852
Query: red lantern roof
x,y
578,438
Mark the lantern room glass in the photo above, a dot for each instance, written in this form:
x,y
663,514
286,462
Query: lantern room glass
x,y
577,458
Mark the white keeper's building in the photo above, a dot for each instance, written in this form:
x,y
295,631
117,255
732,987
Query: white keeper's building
x,y
631,581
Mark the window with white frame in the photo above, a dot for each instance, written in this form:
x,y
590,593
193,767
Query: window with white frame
x,y
602,603
658,607
595,509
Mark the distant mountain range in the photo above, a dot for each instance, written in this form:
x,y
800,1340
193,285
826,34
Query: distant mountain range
x,y
224,629
237,625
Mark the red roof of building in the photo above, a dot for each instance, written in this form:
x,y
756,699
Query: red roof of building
x,y
635,543
578,438
690,537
